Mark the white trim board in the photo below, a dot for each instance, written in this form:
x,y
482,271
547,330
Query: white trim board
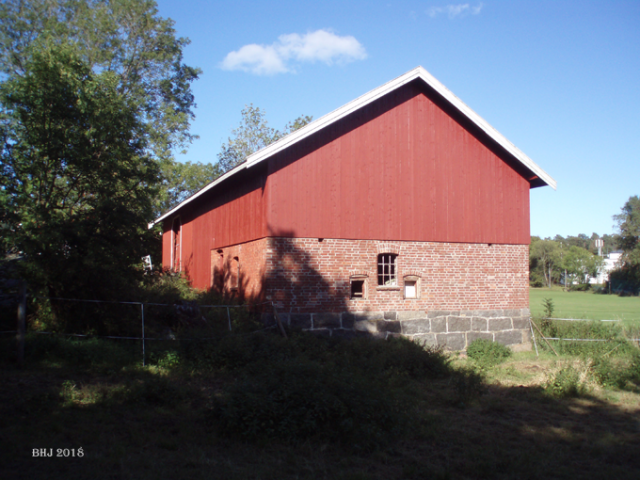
x,y
360,102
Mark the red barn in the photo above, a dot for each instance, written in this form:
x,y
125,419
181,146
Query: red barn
x,y
402,212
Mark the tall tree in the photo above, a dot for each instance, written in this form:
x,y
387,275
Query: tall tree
x,y
131,41
76,178
627,277
253,134
181,180
124,37
628,222
547,254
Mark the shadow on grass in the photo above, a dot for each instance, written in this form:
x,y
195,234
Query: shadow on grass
x,y
171,421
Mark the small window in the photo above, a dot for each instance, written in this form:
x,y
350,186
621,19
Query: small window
x,y
235,274
387,269
357,289
411,286
410,290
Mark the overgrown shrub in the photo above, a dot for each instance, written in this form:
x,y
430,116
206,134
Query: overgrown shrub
x,y
548,306
487,353
352,391
612,334
580,287
619,373
297,400
566,383
81,352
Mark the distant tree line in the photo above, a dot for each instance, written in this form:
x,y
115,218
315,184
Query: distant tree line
x,y
576,257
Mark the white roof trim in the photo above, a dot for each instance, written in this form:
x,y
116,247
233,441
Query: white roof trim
x,y
360,102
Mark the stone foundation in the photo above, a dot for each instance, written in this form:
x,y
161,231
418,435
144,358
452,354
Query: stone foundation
x,y
451,330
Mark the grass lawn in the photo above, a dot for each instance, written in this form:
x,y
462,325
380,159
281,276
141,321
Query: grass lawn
x,y
586,305
160,422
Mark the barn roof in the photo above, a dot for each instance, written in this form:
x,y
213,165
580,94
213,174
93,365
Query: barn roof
x,y
537,177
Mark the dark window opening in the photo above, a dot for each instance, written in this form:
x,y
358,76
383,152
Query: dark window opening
x,y
387,271
176,248
357,289
235,274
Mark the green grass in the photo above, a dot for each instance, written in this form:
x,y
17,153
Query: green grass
x,y
213,410
586,305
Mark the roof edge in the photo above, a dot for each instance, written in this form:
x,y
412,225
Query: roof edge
x,y
363,100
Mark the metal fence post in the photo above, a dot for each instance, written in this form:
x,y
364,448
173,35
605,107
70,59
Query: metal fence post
x,y
22,312
229,317
143,352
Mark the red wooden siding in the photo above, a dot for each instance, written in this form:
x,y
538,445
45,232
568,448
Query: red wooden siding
x,y
224,216
399,169
403,168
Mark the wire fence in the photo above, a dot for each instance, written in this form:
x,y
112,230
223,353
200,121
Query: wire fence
x,y
612,334
189,310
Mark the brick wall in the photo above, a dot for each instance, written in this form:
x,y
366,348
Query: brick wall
x,y
464,291
313,275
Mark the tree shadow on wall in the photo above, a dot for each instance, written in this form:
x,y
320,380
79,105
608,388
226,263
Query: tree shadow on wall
x,y
301,294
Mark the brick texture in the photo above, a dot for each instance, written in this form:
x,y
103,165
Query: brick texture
x,y
309,275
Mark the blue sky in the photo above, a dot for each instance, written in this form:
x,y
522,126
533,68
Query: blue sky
x,y
559,79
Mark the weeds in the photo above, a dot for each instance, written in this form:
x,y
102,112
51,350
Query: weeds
x,y
549,307
487,353
566,383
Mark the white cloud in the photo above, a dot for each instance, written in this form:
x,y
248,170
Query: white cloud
x,y
455,10
321,45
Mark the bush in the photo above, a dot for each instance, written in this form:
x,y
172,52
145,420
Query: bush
x,y
595,330
580,287
566,383
299,400
81,352
622,374
352,391
487,353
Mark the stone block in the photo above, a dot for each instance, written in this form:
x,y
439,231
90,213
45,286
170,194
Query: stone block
x,y
487,313
439,324
509,337
451,341
326,320
411,315
349,319
441,313
458,324
478,324
520,323
412,327
365,326
392,326
300,320
425,340
390,316
471,336
496,324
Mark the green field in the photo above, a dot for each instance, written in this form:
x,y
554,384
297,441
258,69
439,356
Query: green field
x,y
586,305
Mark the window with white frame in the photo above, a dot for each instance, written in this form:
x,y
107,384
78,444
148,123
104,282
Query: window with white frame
x,y
411,286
